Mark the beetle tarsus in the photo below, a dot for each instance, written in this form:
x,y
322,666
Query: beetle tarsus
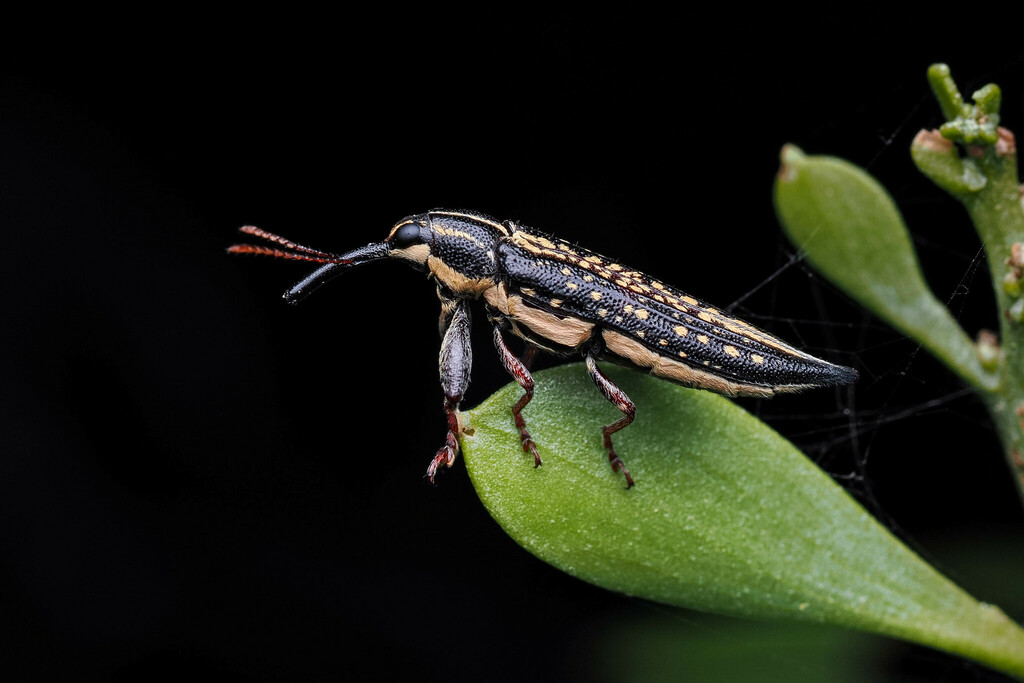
x,y
524,436
619,466
447,453
528,445
445,458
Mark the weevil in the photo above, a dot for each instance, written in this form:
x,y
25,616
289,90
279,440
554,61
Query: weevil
x,y
565,300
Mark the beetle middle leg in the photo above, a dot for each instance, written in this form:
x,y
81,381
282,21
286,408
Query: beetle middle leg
x,y
518,369
619,399
529,353
454,365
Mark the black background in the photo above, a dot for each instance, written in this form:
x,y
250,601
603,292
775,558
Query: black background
x,y
195,478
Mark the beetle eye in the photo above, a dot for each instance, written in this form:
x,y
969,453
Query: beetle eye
x,y
406,236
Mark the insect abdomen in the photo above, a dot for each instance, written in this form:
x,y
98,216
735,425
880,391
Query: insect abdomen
x,y
655,327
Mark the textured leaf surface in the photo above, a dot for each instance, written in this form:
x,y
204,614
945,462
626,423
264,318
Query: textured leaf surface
x,y
726,516
852,233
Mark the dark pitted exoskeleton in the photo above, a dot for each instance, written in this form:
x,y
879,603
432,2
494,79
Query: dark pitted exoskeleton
x,y
565,300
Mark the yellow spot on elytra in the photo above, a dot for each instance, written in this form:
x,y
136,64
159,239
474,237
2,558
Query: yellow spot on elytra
x,y
603,312
570,284
659,297
594,259
618,318
596,296
583,264
527,291
663,342
555,303
730,351
641,334
690,300
706,317
682,354
636,288
642,314
615,266
680,330
628,308
621,283
757,359
702,338
712,311
657,285
566,271
588,278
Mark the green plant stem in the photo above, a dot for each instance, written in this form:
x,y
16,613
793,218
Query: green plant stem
x,y
987,157
946,92
996,213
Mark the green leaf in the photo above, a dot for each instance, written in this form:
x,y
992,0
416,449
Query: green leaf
x,y
726,516
851,232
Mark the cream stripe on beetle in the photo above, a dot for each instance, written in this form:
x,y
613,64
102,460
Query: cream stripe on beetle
x,y
566,300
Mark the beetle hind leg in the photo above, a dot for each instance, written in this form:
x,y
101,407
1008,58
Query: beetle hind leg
x,y
619,399
520,372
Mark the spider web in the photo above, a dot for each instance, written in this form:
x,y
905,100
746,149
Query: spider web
x,y
897,439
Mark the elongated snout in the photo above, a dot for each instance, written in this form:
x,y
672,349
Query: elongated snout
x,y
335,267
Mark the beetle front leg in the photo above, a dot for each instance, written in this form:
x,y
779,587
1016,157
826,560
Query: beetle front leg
x,y
454,364
621,401
518,370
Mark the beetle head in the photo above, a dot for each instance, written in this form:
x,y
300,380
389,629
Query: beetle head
x,y
457,247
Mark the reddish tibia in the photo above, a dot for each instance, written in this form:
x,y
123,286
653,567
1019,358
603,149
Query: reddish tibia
x,y
521,374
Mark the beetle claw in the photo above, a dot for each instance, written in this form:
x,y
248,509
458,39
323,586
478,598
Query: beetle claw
x,y
530,447
445,457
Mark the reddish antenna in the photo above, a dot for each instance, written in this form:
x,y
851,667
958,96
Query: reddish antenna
x,y
292,250
333,264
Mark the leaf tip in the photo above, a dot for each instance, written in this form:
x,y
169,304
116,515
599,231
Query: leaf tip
x,y
790,157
